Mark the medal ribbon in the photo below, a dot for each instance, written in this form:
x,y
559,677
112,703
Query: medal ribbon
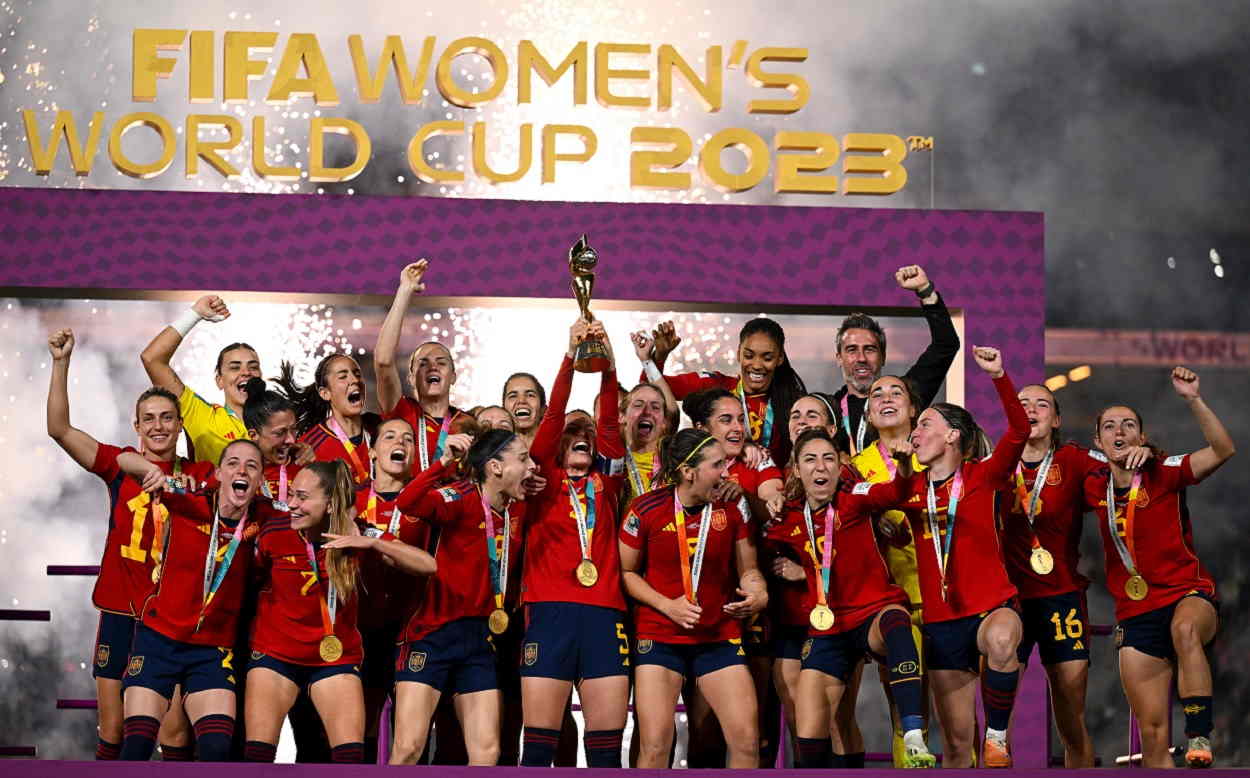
x,y
498,560
329,603
423,445
159,514
214,574
766,434
282,486
635,475
942,549
826,560
690,573
1031,499
890,465
362,472
585,515
1124,545
856,442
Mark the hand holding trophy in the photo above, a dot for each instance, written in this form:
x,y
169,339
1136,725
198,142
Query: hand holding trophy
x,y
592,354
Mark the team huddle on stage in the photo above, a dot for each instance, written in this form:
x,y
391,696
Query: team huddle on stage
x,y
312,559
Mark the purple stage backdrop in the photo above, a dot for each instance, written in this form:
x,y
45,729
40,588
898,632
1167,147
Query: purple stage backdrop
x,y
989,264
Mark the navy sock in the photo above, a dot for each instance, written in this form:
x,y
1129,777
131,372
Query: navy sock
x,y
1197,716
139,738
998,692
259,751
539,747
106,751
371,748
904,667
837,760
348,753
177,753
814,753
213,735
603,747
854,761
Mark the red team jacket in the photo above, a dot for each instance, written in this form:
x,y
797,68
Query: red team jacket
x,y
859,579
551,532
757,405
327,448
175,605
1162,535
461,589
976,576
649,527
1057,524
410,411
388,595
125,579
288,622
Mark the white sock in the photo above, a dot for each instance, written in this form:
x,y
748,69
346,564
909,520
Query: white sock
x,y
998,734
914,738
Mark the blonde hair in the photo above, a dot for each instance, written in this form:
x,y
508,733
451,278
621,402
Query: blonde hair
x,y
335,480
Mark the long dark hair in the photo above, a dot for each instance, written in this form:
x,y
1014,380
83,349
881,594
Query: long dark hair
x,y
687,448
973,442
785,388
794,485
310,409
262,403
486,447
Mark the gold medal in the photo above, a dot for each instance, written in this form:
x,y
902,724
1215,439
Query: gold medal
x,y
587,573
331,649
821,618
498,621
1041,561
156,574
1136,588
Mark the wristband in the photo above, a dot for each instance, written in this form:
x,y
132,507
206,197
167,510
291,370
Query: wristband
x,y
184,323
653,372
926,291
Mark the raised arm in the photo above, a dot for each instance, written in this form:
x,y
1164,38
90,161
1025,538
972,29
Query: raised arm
x,y
547,437
78,444
931,367
1007,453
1220,447
160,351
646,349
390,387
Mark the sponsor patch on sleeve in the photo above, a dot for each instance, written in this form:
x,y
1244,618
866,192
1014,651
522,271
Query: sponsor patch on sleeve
x,y
449,494
1174,461
862,488
633,524
1098,455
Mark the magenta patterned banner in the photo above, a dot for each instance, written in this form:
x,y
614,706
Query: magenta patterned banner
x,y
989,264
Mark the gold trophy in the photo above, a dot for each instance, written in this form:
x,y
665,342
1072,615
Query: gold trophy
x,y
591,355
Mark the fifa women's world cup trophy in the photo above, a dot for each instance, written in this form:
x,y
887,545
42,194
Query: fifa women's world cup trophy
x,y
591,355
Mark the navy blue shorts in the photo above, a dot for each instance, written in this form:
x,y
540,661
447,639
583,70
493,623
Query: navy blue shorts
x,y
1151,632
456,658
572,642
691,660
303,676
838,655
112,645
377,669
952,645
788,640
1058,626
757,635
160,663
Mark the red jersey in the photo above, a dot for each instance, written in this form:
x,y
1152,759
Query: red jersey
x,y
549,576
976,577
1057,524
327,448
649,527
757,406
388,594
125,578
859,579
272,487
410,411
461,589
288,623
1163,543
175,605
